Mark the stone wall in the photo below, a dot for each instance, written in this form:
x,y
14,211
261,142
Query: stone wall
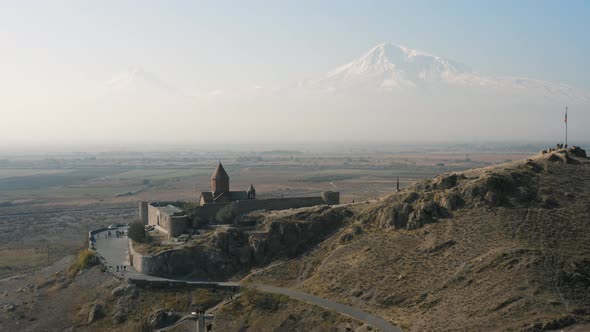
x,y
172,225
209,211
141,263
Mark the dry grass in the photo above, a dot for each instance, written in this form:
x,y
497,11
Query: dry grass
x,y
19,260
484,268
254,311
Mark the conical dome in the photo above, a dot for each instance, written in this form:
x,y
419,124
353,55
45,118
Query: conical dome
x,y
219,173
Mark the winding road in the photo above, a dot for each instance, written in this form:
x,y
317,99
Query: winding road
x,y
115,251
357,314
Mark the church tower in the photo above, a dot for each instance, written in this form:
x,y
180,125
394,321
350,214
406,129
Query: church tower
x,y
219,181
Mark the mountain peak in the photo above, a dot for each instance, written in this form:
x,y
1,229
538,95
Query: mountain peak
x,y
394,65
386,49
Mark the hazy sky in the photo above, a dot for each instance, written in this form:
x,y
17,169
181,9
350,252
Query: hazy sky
x,y
57,56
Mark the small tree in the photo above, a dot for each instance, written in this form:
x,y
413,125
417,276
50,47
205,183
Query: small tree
x,y
136,232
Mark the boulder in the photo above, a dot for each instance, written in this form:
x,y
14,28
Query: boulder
x,y
118,291
425,213
533,166
346,237
96,312
446,181
411,197
548,202
399,216
124,289
449,201
119,317
577,151
491,198
161,318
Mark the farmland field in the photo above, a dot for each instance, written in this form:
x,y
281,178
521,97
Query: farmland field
x,y
47,204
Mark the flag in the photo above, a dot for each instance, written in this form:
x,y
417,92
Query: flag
x,y
565,115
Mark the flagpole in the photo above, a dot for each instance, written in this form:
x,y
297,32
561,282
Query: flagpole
x,y
566,126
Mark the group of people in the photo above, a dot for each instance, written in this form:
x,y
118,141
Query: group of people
x,y
122,268
109,234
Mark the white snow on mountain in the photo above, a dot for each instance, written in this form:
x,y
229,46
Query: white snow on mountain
x,y
389,67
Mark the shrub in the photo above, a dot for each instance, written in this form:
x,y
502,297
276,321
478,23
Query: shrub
x,y
263,301
204,299
227,214
136,232
85,259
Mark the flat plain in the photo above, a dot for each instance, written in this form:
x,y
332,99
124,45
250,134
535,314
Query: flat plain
x,y
49,202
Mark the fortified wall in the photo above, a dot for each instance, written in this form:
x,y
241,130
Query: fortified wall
x,y
208,212
171,218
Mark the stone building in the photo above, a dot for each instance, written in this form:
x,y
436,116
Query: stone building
x,y
172,218
220,192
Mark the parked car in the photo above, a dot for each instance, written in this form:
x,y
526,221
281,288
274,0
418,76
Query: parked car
x,y
112,227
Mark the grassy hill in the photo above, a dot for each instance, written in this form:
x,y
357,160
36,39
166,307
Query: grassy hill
x,y
498,248
505,247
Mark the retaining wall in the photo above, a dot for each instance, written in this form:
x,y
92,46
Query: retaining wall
x,y
141,263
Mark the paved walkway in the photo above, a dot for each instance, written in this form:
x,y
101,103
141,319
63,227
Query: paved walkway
x,y
115,251
360,315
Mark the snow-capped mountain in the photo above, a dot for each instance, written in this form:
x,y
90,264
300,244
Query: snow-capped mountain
x,y
388,67
391,66
137,79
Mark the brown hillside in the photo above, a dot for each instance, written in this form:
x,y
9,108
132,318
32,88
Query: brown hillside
x,y
498,248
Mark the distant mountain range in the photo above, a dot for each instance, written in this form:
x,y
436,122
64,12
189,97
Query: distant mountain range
x,y
385,69
388,67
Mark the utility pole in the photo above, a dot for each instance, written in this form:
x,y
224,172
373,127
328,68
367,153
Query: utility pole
x,y
566,126
397,183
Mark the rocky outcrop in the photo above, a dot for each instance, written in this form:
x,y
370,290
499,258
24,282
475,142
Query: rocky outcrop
x,y
282,237
449,200
410,216
446,181
232,251
125,289
96,312
119,317
429,201
425,213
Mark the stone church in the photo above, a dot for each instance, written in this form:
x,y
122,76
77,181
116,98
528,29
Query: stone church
x,y
172,218
220,192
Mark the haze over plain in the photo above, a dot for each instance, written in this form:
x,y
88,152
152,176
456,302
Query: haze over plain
x,y
144,73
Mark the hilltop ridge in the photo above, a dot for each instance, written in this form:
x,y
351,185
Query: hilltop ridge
x,y
503,247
